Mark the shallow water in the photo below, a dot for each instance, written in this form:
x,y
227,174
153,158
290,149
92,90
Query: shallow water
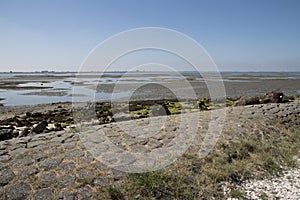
x,y
62,87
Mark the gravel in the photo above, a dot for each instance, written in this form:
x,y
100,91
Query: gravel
x,y
285,186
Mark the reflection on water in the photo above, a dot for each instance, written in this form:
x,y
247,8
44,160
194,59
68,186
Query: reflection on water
x,y
59,87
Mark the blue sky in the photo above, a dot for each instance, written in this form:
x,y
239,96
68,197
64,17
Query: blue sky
x,y
240,35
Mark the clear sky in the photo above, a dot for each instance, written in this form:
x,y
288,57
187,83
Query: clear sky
x,y
240,35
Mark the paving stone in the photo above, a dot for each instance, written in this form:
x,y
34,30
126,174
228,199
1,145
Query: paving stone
x,y
43,194
3,152
38,156
85,175
142,141
50,163
103,181
112,134
58,139
3,146
85,192
100,166
21,162
67,195
18,191
56,151
18,152
48,179
6,176
35,143
139,149
154,144
67,166
87,160
65,181
74,154
71,145
70,138
117,174
4,158
26,172
3,165
41,148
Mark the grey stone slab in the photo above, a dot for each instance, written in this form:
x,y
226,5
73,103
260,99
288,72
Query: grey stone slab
x,y
50,163
18,152
18,191
21,162
67,166
48,179
27,172
43,194
6,176
85,175
66,181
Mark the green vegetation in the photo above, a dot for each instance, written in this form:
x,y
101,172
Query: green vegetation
x,y
244,156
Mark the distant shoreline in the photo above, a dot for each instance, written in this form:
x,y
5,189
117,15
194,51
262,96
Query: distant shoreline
x,y
42,88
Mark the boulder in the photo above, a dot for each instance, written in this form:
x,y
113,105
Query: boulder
x,y
40,127
6,134
58,127
160,110
275,96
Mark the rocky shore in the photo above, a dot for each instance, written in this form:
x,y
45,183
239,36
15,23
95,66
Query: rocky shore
x,y
42,155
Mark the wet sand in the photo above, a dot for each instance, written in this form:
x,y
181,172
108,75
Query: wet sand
x,y
141,86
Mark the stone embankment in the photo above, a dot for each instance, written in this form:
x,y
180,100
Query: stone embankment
x,y
57,165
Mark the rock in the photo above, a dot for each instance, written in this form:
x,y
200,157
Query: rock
x,y
103,181
160,110
37,115
6,134
85,192
275,96
27,172
24,132
202,105
66,180
40,127
121,117
58,127
85,175
6,176
43,194
234,98
48,179
17,191
247,101
67,166
22,162
1,104
28,114
67,195
50,163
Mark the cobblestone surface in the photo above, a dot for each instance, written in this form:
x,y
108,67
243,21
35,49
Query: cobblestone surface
x,y
57,165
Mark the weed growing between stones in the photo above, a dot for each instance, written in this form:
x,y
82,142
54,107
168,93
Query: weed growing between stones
x,y
233,160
